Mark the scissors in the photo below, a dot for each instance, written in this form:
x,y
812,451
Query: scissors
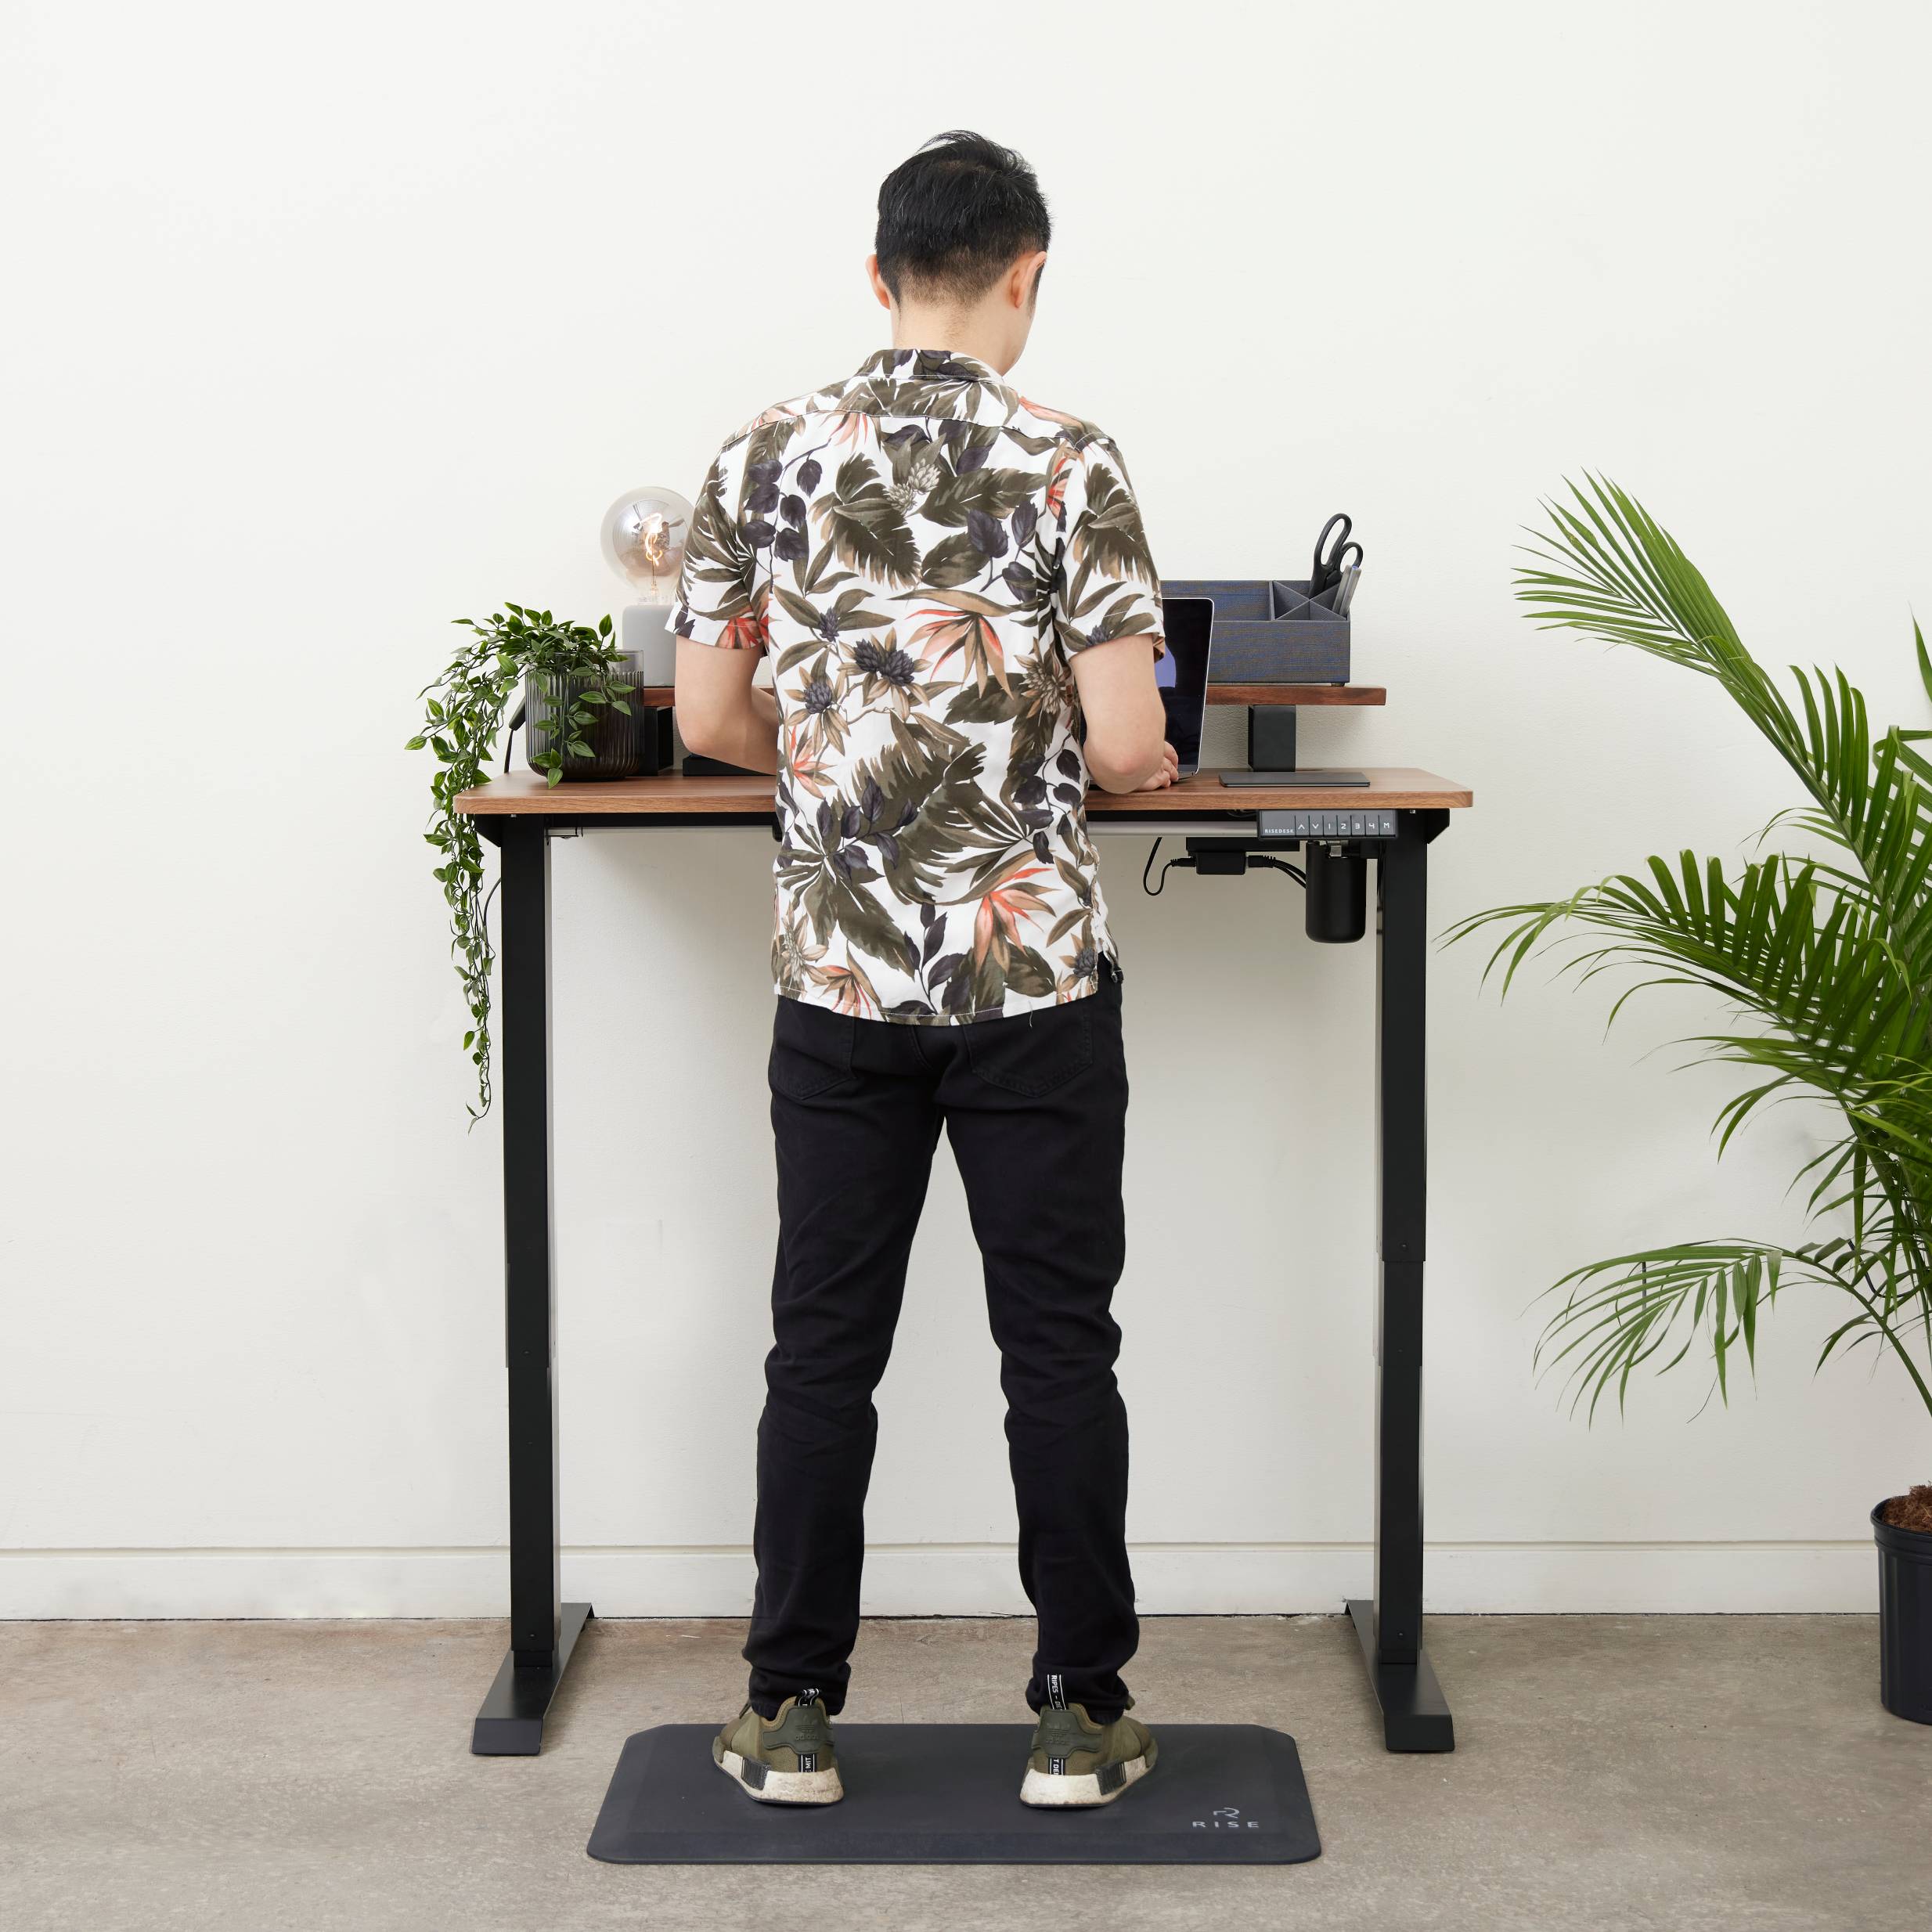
x,y
1326,571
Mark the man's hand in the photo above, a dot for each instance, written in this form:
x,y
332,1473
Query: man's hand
x,y
1168,774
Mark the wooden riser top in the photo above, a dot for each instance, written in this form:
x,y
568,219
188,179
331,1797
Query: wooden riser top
x,y
1297,694
525,794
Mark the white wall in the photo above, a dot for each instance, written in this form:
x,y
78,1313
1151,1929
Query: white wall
x,y
328,326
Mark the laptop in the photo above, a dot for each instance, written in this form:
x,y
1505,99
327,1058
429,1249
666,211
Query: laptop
x,y
1182,674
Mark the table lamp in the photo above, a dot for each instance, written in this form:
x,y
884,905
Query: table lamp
x,y
645,534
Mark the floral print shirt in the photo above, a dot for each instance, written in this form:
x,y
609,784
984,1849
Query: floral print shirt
x,y
922,551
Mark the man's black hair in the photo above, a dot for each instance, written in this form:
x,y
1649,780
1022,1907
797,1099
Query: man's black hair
x,y
952,218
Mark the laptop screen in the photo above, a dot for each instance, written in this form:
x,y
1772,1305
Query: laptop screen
x,y
1182,675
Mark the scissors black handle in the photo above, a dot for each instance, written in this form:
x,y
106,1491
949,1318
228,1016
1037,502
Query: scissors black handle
x,y
1325,572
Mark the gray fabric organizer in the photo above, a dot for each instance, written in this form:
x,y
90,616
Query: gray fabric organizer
x,y
1266,631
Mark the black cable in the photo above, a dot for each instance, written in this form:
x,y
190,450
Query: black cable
x,y
1155,890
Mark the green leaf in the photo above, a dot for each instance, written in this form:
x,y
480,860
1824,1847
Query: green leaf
x,y
1821,960
464,711
865,527
951,562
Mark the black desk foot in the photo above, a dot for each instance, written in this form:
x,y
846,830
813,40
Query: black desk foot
x,y
1414,1713
510,1724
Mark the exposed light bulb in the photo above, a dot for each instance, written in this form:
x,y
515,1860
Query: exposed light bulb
x,y
645,534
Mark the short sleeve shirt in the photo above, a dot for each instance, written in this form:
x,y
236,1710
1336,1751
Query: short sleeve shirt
x,y
922,552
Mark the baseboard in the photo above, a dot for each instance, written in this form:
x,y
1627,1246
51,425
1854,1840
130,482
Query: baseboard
x,y
928,1580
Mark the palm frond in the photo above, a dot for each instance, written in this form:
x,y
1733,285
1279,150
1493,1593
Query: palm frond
x,y
1620,1314
1608,569
1823,958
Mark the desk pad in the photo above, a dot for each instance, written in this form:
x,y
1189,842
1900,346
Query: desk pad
x,y
934,1794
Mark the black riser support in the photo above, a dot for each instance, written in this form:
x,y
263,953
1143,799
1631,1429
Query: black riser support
x,y
1271,737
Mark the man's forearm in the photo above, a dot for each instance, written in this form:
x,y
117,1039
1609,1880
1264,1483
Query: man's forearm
x,y
1126,722
722,710
747,735
1119,778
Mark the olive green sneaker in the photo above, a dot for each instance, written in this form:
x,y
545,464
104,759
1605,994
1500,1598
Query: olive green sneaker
x,y
786,1760
1077,1761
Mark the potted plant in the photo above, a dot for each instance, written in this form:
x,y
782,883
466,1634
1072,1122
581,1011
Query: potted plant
x,y
1824,955
579,723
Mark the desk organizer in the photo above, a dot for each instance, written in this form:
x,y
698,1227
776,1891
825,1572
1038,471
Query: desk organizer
x,y
1266,632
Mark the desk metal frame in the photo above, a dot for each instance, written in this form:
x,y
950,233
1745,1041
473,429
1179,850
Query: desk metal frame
x,y
544,1629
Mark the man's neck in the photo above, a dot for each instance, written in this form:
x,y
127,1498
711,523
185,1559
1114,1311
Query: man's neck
x,y
963,334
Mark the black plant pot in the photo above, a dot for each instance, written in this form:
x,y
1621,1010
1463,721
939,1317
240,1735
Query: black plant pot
x,y
1904,1620
616,739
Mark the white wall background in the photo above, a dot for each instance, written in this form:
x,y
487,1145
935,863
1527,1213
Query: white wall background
x,y
327,325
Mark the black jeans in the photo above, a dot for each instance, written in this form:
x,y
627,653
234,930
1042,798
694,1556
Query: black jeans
x,y
1035,1107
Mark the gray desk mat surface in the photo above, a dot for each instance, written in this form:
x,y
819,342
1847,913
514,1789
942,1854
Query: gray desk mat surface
x,y
934,1794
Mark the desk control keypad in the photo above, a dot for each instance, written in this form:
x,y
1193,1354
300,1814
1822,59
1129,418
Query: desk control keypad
x,y
1344,824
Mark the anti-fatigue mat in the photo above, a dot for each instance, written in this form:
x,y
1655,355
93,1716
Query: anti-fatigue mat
x,y
933,1794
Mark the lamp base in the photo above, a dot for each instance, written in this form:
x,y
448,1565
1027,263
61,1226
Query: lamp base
x,y
645,631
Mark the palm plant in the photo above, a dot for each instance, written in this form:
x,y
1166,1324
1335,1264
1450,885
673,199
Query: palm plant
x,y
1823,957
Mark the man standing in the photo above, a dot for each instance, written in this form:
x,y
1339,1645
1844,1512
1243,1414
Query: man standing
x,y
949,580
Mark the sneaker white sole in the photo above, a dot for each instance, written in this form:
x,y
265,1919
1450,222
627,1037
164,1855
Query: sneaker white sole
x,y
1066,1789
757,1780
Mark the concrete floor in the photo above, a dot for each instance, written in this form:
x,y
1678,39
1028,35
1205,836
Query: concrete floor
x,y
1690,1773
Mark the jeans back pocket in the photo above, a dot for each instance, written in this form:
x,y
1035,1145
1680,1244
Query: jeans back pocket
x,y
811,1049
1032,1054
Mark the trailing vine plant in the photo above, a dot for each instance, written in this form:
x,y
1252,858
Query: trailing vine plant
x,y
462,719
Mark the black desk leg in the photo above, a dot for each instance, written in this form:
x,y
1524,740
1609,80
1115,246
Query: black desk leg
x,y
1415,1716
543,1629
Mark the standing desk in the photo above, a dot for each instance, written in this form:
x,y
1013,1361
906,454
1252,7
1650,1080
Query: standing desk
x,y
1392,822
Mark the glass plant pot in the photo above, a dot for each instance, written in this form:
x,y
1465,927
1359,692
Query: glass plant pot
x,y
616,738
